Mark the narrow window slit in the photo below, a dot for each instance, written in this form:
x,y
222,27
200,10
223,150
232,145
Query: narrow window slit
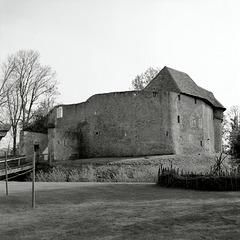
x,y
178,119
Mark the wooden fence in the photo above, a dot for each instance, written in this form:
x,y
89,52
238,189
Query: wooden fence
x,y
14,165
223,181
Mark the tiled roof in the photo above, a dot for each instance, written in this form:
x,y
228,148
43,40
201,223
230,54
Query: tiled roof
x,y
169,79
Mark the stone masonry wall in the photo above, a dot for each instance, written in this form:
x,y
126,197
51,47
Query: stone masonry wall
x,y
63,145
192,124
114,124
127,124
64,137
28,139
133,123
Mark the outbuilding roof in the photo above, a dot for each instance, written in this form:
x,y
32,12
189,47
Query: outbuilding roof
x,y
4,128
169,79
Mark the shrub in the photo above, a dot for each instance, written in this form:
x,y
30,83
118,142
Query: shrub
x,y
55,175
145,174
74,175
105,173
86,174
122,175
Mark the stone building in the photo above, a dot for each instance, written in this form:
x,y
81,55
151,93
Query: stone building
x,y
172,115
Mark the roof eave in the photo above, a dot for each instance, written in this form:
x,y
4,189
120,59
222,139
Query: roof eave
x,y
205,100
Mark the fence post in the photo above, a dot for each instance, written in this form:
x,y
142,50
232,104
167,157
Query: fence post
x,y
33,178
6,173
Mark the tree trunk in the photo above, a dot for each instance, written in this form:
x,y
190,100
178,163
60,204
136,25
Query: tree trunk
x,y
14,141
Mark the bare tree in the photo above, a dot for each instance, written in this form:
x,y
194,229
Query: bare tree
x,y
14,112
26,84
234,116
2,93
7,72
231,130
142,80
33,80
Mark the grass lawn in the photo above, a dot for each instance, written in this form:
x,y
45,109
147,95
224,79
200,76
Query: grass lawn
x,y
116,211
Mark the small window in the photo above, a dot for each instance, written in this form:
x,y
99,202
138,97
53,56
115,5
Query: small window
x,y
167,133
179,97
154,94
201,143
97,133
195,101
178,119
59,112
194,122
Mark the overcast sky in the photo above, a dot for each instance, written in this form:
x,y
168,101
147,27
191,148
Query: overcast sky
x,y
99,46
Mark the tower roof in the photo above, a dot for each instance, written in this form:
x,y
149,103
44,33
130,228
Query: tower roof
x,y
172,80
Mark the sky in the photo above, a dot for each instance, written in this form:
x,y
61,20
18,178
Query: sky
x,y
100,46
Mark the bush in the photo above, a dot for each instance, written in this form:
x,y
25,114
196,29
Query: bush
x,y
86,174
55,175
105,173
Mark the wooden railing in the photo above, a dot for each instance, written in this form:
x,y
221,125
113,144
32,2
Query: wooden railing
x,y
14,161
14,165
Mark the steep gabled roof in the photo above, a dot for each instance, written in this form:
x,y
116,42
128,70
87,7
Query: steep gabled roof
x,y
169,79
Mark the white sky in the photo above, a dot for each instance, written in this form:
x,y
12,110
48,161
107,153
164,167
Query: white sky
x,y
99,46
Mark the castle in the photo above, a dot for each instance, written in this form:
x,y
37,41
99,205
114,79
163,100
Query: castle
x,y
172,115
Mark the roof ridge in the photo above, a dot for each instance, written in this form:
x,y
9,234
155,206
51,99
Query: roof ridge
x,y
167,69
173,80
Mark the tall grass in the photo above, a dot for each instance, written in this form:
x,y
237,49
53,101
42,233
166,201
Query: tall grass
x,y
55,175
86,174
105,173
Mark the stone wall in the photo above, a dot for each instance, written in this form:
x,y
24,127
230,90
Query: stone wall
x,y
27,141
127,124
63,144
114,124
192,123
134,123
67,116
218,117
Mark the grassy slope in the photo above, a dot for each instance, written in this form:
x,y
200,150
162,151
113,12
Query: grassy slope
x,y
191,162
116,211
